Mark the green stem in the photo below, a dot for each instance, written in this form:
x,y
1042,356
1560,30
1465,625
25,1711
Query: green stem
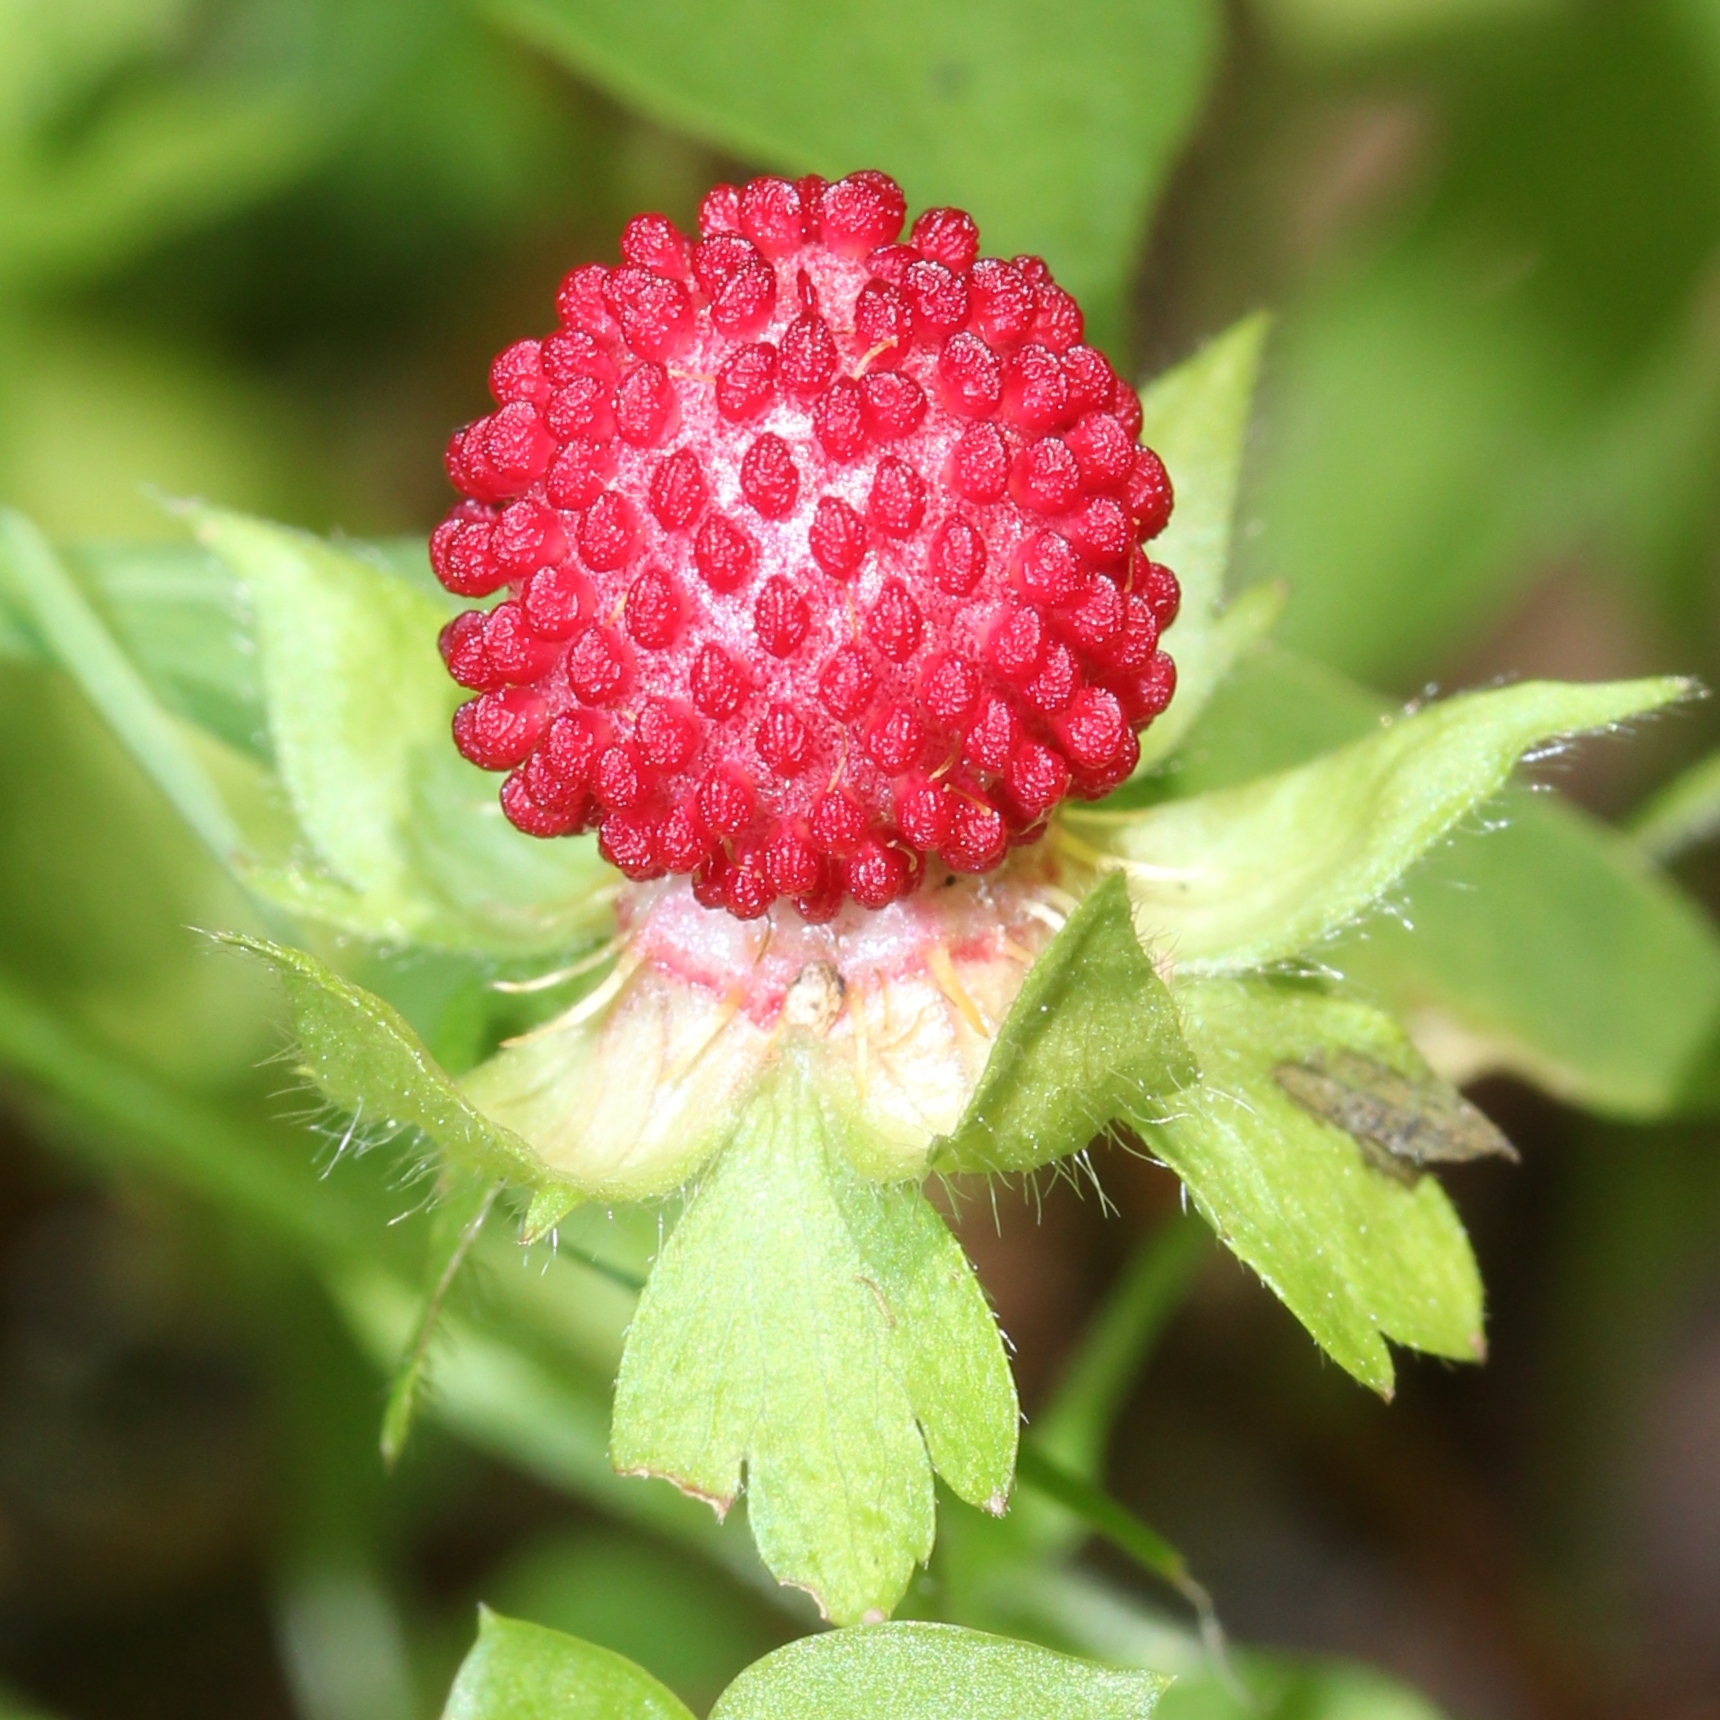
x,y
1128,1534
1115,1347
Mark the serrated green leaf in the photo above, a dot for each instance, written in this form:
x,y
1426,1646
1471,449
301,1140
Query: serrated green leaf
x,y
944,1342
1547,947
521,1671
367,1061
932,1672
1091,1039
1196,416
1357,1255
1055,126
808,1324
1244,876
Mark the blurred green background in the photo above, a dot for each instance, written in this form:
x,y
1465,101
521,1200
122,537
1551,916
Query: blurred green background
x,y
262,250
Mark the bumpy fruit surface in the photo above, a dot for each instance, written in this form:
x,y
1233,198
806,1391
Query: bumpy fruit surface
x,y
822,554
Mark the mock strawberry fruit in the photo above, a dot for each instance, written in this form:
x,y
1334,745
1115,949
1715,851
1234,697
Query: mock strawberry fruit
x,y
822,554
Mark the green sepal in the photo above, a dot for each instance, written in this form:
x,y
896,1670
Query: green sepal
x,y
1358,1255
1196,418
825,1332
521,1671
1544,944
629,1092
1091,1039
914,1671
367,1061
1254,874
403,839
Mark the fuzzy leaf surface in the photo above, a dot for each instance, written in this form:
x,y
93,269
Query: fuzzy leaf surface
x,y
1244,876
1548,947
1091,1039
1196,417
1357,1255
823,1331
521,1671
1055,126
913,1671
366,1060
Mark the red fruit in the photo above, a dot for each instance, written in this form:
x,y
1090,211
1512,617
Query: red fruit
x,y
816,552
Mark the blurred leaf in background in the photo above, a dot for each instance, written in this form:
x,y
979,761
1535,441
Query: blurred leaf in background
x,y
1053,125
1491,228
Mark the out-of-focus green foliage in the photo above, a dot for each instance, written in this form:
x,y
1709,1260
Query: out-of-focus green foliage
x,y
1196,417
1055,124
1524,364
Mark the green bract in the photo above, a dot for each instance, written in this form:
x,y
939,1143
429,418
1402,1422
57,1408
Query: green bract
x,y
1243,877
1093,1040
1355,1253
811,1332
827,1332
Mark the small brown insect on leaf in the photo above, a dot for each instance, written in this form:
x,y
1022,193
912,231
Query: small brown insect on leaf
x,y
1403,1123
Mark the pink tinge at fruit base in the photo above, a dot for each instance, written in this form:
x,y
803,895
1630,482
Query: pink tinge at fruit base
x,y
822,554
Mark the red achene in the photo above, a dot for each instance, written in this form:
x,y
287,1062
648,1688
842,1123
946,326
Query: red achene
x,y
822,554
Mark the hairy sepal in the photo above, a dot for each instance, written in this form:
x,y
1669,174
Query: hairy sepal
x,y
627,1101
825,1334
400,838
1246,876
1091,1040
1358,1255
367,1062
